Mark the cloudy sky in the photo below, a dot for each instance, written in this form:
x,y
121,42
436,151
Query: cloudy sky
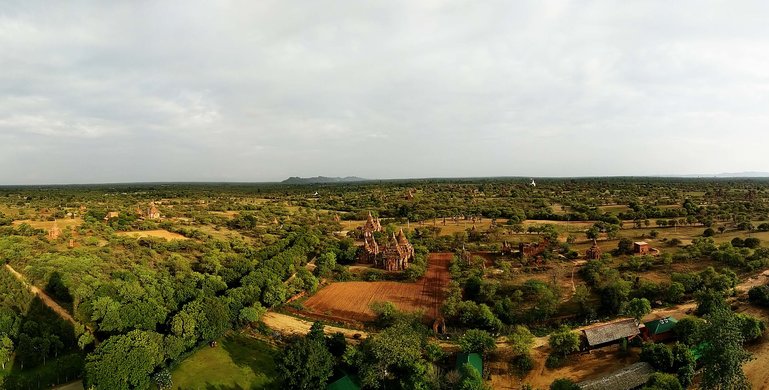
x,y
123,91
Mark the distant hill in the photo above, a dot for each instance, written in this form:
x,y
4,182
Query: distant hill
x,y
321,180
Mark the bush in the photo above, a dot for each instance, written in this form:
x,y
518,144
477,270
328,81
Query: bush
x,y
476,340
554,361
522,364
658,355
563,341
752,242
709,232
759,295
564,384
661,381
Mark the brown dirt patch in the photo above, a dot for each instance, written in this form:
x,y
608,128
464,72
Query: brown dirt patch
x,y
351,300
153,233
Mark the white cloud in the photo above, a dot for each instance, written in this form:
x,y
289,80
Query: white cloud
x,y
217,88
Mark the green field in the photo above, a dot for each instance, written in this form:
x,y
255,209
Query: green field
x,y
238,362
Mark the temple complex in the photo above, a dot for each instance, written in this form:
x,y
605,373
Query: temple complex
x,y
394,255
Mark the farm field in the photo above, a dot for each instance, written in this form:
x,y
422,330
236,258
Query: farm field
x,y
238,362
160,233
351,300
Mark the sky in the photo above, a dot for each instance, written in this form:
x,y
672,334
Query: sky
x,y
141,91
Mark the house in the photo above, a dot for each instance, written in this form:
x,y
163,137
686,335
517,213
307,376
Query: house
x,y
603,335
659,330
630,377
641,248
343,383
473,359
110,215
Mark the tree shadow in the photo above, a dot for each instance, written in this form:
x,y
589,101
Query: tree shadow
x,y
59,291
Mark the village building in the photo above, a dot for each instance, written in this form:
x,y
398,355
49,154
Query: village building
x,y
110,215
631,377
659,330
594,252
473,359
641,248
608,334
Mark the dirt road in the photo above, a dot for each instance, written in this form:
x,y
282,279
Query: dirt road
x,y
287,324
45,298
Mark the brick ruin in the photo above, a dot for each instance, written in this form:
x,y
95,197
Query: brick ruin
x,y
594,252
532,249
394,255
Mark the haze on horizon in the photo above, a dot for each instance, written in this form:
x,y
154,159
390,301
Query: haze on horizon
x,y
131,91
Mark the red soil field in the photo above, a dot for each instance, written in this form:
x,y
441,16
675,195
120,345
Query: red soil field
x,y
350,300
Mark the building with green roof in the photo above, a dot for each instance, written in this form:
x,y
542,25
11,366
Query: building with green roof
x,y
659,330
343,383
475,360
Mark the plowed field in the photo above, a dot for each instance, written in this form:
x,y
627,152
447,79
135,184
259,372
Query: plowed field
x,y
350,300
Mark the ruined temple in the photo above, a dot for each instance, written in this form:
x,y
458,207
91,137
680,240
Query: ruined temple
x,y
54,232
372,225
393,255
532,249
594,252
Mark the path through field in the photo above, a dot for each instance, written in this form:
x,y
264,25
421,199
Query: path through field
x,y
350,301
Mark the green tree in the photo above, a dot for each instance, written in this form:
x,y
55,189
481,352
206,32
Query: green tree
x,y
662,381
305,363
476,340
688,330
723,354
637,308
250,315
563,341
393,358
471,379
658,355
6,349
125,361
520,339
162,379
564,384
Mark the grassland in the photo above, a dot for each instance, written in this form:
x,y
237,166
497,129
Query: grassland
x,y
238,362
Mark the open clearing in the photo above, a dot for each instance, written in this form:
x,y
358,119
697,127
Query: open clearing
x,y
46,225
153,233
351,300
238,362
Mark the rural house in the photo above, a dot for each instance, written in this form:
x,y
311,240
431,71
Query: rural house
x,y
110,215
630,377
641,248
659,330
603,335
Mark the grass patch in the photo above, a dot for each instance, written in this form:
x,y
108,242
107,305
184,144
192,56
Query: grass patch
x,y
238,362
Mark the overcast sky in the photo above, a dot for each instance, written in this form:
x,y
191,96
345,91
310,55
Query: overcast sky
x,y
123,91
